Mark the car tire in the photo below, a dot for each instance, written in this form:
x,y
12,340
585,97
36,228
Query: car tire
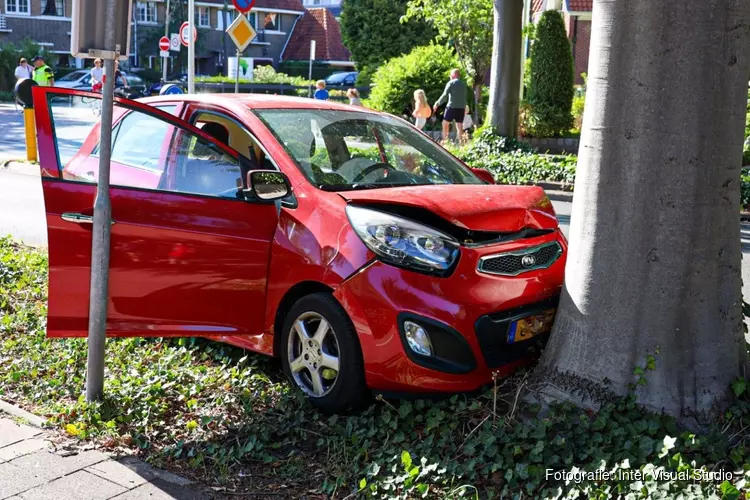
x,y
303,359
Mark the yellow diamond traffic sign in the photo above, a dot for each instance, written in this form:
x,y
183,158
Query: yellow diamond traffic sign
x,y
241,32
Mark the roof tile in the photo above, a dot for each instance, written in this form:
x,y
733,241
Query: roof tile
x,y
579,5
319,25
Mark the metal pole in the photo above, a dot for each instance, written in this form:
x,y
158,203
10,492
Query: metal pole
x,y
99,292
237,76
309,71
30,130
166,34
191,47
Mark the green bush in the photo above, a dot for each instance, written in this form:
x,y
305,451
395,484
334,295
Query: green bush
x,y
745,189
427,68
7,96
514,162
550,95
261,75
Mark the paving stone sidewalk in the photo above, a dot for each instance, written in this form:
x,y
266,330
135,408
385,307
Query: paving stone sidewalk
x,y
32,469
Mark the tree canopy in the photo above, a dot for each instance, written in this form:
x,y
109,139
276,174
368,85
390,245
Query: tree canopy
x,y
373,32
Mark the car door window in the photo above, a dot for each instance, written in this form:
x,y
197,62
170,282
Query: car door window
x,y
137,141
201,167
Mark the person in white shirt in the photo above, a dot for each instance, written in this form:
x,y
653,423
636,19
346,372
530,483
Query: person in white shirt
x,y
23,70
97,76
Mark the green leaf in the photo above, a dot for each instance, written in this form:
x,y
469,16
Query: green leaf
x,y
728,491
406,460
362,483
739,387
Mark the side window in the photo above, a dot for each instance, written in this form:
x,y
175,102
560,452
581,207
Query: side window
x,y
199,167
137,141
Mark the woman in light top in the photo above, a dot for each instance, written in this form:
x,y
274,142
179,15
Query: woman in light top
x,y
97,76
353,95
422,109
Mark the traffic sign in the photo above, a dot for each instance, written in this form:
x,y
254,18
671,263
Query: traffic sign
x,y
164,53
184,34
163,44
243,6
174,42
241,32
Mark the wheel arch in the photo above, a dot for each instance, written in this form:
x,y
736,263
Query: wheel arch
x,y
292,295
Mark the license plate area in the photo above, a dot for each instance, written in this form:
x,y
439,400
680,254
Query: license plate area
x,y
531,326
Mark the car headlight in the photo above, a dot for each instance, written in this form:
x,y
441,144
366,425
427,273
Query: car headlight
x,y
402,242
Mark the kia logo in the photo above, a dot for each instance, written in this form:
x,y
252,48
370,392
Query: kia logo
x,y
528,261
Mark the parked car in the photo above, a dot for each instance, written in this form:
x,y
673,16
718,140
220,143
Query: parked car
x,y
80,79
339,239
345,79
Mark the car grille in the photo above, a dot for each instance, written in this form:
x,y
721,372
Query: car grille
x,y
521,261
492,334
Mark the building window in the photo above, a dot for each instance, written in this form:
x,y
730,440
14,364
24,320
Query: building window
x,y
54,8
17,6
204,17
146,12
272,22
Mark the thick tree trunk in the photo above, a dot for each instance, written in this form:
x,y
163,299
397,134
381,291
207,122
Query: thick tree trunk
x,y
505,82
654,258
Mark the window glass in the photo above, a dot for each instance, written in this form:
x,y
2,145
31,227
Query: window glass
x,y
146,12
137,141
53,8
272,21
204,19
202,168
17,6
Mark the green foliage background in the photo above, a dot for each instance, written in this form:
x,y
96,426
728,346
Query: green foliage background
x,y
373,32
427,68
550,96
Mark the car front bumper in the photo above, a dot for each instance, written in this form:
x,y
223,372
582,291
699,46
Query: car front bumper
x,y
469,310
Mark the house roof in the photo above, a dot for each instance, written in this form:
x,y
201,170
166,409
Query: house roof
x,y
294,5
578,5
319,25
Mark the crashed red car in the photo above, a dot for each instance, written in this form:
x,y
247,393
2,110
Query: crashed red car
x,y
339,239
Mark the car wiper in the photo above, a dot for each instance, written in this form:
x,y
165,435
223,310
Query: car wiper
x,y
368,185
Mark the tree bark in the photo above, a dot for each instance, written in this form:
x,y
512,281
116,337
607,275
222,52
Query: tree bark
x,y
505,74
654,257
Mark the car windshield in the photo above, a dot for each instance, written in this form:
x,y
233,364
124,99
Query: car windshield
x,y
346,150
72,77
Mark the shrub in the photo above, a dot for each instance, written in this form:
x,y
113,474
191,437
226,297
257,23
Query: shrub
x,y
579,102
551,84
745,189
426,68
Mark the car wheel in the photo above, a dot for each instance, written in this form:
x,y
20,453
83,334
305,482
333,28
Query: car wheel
x,y
322,355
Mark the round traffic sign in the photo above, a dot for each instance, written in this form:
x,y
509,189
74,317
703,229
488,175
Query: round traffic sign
x,y
163,43
184,33
170,89
243,6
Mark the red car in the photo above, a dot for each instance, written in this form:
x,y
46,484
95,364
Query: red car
x,y
340,239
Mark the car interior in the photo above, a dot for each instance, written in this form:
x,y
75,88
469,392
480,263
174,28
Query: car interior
x,y
235,136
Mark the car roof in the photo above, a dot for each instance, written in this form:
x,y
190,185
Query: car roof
x,y
254,101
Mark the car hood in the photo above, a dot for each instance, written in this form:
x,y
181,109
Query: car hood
x,y
470,206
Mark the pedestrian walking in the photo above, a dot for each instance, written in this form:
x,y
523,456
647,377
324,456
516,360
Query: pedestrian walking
x,y
97,76
422,111
42,74
353,95
23,70
321,93
455,93
119,78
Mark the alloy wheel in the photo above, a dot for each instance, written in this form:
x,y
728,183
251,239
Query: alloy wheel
x,y
313,354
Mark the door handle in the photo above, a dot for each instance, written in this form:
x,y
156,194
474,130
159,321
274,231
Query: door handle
x,y
78,218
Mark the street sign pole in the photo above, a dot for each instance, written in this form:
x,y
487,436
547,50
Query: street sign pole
x,y
166,34
237,76
191,47
312,58
98,298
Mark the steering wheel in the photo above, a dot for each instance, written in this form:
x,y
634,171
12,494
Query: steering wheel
x,y
372,168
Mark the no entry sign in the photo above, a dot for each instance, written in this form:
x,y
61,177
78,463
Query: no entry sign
x,y
163,43
184,29
243,6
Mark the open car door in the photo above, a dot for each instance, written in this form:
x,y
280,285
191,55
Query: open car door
x,y
189,254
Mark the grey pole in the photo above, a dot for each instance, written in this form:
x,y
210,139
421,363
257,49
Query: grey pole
x,y
309,70
99,292
166,34
237,76
191,47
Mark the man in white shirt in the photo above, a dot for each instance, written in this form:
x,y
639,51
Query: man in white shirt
x,y
23,70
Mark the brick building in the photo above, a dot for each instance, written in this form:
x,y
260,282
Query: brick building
x,y
320,25
577,14
48,23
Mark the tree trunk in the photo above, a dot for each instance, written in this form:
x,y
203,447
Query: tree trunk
x,y
654,258
505,82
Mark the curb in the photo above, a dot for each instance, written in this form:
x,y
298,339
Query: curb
x,y
17,412
555,195
19,166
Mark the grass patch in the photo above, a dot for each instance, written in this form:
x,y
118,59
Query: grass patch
x,y
227,418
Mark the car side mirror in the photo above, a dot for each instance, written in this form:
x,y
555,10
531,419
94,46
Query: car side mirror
x,y
484,175
267,185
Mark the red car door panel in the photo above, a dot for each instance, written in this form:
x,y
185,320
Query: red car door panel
x,y
180,264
